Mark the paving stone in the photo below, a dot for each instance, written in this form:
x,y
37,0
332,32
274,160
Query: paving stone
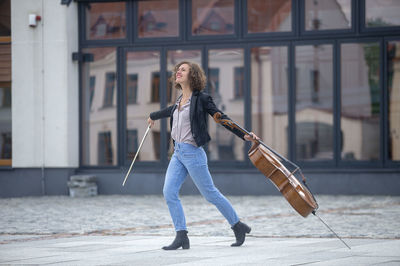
x,y
130,230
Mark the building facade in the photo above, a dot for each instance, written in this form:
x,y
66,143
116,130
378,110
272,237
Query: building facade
x,y
317,80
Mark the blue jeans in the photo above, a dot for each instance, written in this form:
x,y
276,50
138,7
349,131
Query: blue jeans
x,y
188,159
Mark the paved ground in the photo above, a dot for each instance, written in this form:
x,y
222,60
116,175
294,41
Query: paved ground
x,y
130,230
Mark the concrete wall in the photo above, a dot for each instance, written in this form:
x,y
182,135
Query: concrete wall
x,y
45,105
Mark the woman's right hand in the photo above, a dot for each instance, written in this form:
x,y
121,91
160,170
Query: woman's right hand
x,y
150,122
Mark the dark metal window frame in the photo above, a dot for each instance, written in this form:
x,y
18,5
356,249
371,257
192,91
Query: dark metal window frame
x,y
292,104
134,11
358,163
105,42
374,30
241,39
352,30
236,29
386,161
246,100
271,35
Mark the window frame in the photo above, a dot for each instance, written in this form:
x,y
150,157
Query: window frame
x,y
84,41
358,163
137,39
386,161
349,31
7,163
123,109
289,48
375,30
292,103
246,41
237,31
271,35
246,104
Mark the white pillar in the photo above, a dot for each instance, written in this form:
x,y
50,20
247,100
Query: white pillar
x,y
45,108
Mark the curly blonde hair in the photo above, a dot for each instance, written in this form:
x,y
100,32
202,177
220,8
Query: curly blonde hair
x,y
197,78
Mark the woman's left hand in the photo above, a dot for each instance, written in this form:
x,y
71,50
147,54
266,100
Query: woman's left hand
x,y
251,137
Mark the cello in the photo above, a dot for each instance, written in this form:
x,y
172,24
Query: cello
x,y
270,164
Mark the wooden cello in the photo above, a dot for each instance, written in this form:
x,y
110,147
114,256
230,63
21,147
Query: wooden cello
x,y
270,164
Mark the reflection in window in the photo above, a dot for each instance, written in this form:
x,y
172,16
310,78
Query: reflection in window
x,y
212,17
98,89
328,14
269,16
360,101
382,13
92,85
269,96
393,59
213,80
131,88
105,155
314,102
239,83
173,58
155,87
109,89
143,86
224,145
5,18
5,84
158,18
5,123
132,144
105,20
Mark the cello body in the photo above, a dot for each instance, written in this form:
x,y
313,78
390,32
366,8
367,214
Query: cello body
x,y
267,162
299,197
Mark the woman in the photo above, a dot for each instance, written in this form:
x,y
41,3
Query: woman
x,y
189,132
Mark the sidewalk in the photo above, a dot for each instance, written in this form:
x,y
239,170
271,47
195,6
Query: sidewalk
x,y
130,230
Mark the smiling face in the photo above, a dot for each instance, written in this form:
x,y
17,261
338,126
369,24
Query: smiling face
x,y
182,74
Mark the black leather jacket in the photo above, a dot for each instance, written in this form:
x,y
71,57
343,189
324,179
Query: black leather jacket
x,y
201,104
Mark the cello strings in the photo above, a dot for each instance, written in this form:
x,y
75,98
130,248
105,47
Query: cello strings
x,y
331,229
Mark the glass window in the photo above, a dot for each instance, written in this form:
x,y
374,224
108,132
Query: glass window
x,y
143,68
238,92
99,124
269,16
5,84
5,123
328,14
213,80
105,20
158,18
132,144
212,17
382,13
92,85
360,101
269,96
5,18
155,87
131,88
314,102
109,89
393,61
224,145
105,150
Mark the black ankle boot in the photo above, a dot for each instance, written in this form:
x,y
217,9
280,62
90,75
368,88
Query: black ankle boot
x,y
181,240
240,229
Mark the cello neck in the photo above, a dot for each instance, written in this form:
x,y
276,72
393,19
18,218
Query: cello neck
x,y
233,125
